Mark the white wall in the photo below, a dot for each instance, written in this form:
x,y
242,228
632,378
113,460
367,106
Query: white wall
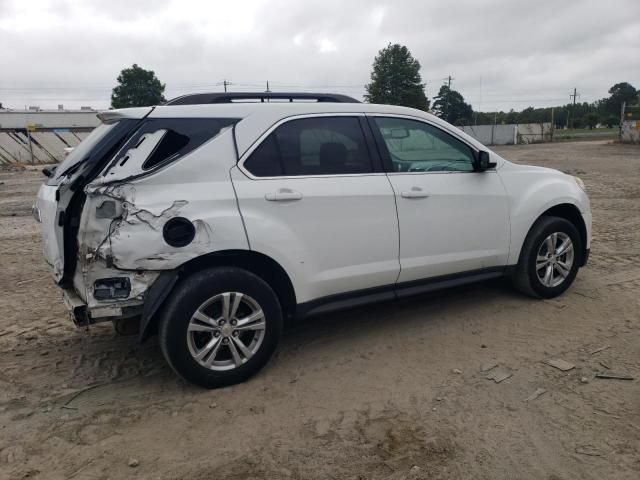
x,y
52,119
631,131
534,132
492,134
50,133
510,134
46,146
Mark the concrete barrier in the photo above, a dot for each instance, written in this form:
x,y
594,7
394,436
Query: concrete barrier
x,y
510,134
492,134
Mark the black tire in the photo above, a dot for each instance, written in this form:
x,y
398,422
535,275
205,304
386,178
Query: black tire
x,y
526,278
188,296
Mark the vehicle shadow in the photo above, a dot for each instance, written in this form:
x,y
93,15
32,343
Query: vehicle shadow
x,y
116,370
405,311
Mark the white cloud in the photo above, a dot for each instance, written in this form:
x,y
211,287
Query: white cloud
x,y
71,51
298,40
325,46
377,16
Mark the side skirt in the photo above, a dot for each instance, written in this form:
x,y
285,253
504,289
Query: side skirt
x,y
395,291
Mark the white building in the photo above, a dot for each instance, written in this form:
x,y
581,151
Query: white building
x,y
41,136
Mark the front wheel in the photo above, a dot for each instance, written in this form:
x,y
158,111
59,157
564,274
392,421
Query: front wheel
x,y
220,326
550,258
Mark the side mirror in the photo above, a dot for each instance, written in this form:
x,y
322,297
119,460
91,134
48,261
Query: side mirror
x,y
483,162
399,133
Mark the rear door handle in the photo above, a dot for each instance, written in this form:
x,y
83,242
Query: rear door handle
x,y
415,192
283,195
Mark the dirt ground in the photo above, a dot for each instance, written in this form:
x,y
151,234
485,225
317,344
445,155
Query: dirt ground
x,y
390,391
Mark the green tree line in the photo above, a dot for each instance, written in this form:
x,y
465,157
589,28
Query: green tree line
x,y
581,115
396,80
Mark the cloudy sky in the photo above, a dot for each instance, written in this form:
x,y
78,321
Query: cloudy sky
x,y
501,54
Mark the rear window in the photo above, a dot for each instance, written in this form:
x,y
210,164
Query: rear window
x,y
81,152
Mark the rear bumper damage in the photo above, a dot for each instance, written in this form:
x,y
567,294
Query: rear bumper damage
x,y
143,308
83,315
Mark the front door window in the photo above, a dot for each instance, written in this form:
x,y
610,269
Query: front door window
x,y
415,146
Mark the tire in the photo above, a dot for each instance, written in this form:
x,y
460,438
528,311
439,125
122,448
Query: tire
x,y
531,276
194,320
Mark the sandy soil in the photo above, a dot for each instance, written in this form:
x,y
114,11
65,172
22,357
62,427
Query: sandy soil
x,y
384,392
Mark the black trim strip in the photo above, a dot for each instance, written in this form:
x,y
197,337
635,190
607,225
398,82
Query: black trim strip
x,y
229,97
372,150
585,257
394,291
155,297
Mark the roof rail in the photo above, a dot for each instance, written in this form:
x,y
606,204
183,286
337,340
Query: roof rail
x,y
232,97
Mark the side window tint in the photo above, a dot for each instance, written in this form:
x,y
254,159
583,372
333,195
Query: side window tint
x,y
415,146
313,146
265,160
159,141
172,142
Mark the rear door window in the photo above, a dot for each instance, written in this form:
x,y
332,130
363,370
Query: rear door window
x,y
312,146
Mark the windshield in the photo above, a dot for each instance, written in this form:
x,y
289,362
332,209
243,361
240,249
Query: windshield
x,y
82,151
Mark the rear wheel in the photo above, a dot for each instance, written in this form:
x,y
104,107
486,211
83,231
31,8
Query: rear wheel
x,y
550,258
220,326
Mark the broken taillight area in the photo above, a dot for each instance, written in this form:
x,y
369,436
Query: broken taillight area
x,y
112,288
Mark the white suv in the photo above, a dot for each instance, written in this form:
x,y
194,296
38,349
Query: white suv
x,y
211,219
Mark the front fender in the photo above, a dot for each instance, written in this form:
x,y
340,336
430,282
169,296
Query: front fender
x,y
534,190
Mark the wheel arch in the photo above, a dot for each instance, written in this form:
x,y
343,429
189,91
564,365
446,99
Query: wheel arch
x,y
571,213
257,263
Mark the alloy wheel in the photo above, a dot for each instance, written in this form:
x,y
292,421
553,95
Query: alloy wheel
x,y
555,259
226,331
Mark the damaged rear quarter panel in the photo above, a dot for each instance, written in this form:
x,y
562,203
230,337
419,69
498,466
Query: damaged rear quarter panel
x,y
196,187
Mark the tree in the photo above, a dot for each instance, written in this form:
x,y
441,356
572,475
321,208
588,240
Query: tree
x,y
450,106
620,92
137,87
612,121
590,120
395,79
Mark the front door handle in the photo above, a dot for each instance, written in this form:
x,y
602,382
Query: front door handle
x,y
283,195
415,192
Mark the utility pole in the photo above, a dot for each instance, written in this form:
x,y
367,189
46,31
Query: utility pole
x,y
267,90
622,108
480,101
493,127
225,83
573,109
553,125
446,101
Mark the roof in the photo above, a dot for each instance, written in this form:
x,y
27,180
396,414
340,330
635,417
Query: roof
x,y
244,109
257,117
